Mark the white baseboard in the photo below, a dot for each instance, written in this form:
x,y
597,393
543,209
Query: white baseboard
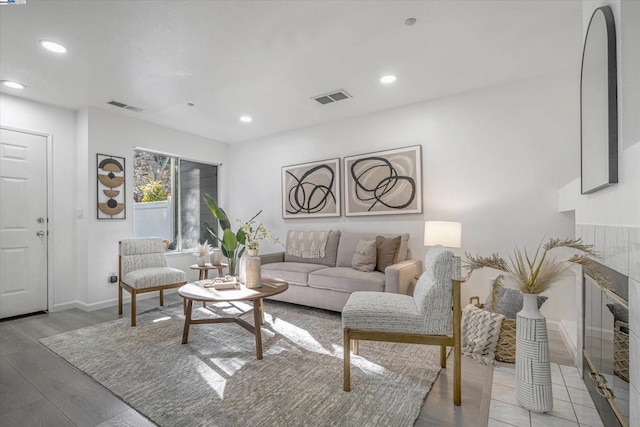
x,y
81,305
568,332
553,325
65,306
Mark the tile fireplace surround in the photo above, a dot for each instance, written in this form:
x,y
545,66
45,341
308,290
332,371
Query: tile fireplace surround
x,y
620,250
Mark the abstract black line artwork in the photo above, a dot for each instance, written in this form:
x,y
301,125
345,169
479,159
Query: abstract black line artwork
x,y
311,189
111,189
383,183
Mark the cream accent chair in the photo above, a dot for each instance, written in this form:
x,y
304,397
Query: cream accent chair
x,y
431,316
142,267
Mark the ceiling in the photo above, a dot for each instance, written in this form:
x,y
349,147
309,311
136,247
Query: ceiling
x,y
268,58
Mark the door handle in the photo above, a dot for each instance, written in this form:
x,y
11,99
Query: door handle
x,y
40,234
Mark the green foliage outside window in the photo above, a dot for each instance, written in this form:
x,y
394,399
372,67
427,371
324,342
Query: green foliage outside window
x,y
153,191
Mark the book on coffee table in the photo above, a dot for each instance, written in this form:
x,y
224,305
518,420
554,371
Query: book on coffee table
x,y
221,283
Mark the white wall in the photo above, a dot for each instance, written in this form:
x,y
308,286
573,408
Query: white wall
x,y
84,250
618,204
492,159
61,125
616,209
115,134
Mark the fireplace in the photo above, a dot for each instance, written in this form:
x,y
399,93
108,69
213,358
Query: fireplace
x,y
606,345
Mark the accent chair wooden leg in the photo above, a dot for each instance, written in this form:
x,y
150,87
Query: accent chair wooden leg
x,y
356,347
347,360
443,356
119,299
133,307
457,375
161,298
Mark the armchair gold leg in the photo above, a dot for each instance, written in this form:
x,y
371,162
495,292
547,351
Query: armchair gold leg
x,y
356,347
347,360
443,356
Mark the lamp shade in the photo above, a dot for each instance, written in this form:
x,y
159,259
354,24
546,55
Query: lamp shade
x,y
445,233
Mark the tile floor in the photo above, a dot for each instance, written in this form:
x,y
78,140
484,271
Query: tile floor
x,y
572,405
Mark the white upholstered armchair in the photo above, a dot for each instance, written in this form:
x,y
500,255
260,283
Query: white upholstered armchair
x,y
431,316
142,267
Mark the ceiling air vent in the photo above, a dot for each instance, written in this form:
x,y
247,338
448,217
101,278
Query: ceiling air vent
x,y
330,97
125,106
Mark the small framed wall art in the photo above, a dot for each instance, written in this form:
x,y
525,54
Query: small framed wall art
x,y
384,183
311,190
110,187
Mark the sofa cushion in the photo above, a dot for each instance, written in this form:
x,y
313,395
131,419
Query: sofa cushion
x,y
364,257
387,251
331,250
296,273
349,240
346,279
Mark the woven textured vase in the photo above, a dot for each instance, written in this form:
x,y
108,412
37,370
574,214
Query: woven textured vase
x,y
533,369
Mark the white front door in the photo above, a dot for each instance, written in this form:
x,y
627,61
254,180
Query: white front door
x,y
23,223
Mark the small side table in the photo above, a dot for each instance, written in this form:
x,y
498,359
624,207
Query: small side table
x,y
204,270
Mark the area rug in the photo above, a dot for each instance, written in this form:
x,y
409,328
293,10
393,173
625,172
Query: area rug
x,y
216,380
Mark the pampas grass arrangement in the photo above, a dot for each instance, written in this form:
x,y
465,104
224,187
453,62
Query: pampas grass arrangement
x,y
536,275
203,249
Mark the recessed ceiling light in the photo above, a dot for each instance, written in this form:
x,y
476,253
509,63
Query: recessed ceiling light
x,y
13,85
410,21
389,78
53,46
246,119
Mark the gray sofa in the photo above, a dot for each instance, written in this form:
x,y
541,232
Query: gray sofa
x,y
327,282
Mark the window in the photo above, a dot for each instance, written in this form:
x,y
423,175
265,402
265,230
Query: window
x,y
169,199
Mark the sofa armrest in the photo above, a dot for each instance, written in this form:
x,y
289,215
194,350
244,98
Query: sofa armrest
x,y
400,277
271,258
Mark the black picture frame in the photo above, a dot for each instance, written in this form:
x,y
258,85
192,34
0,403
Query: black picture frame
x,y
599,104
385,182
111,192
311,190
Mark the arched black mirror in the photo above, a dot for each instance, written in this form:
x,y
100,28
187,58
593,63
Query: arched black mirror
x,y
599,104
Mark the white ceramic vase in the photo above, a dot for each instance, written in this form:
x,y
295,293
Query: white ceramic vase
x,y
252,267
252,252
201,261
216,256
533,368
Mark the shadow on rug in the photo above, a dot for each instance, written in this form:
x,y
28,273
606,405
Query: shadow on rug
x,y
216,380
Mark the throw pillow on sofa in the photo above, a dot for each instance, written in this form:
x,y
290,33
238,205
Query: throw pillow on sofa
x,y
387,251
364,257
508,302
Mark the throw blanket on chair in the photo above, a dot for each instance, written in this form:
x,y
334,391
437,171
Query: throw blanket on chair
x,y
307,244
480,333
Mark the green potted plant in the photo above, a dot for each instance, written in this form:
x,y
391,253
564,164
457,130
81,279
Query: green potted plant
x,y
232,243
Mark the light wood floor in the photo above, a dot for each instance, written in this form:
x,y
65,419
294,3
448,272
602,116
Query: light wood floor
x,y
37,388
